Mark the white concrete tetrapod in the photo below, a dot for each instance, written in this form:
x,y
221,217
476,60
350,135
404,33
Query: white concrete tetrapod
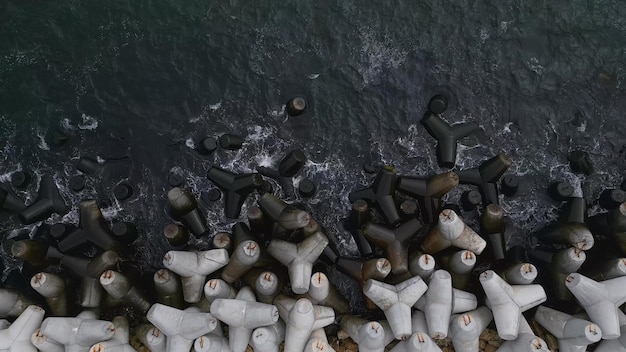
x,y
120,287
396,302
193,268
242,315
52,288
301,318
441,301
211,343
418,342
600,300
268,338
520,274
218,288
452,231
618,344
465,329
462,262
151,337
244,257
323,293
299,258
422,266
79,333
45,344
526,341
318,342
563,263
120,340
574,334
12,303
16,338
508,302
368,335
181,327
418,322
267,286
168,288
460,265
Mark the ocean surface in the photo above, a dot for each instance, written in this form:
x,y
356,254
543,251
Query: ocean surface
x,y
137,84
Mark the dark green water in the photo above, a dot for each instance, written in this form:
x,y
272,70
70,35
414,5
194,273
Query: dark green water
x,y
139,82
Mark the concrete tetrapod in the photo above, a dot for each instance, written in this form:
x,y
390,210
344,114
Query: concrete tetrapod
x,y
45,344
52,288
181,327
381,194
301,317
492,227
318,342
600,300
267,286
242,315
218,288
184,208
79,333
168,289
193,268
447,136
285,215
394,241
574,334
120,340
441,301
12,303
526,341
268,338
486,177
369,335
520,274
460,265
465,329
120,287
244,257
452,231
422,266
508,302
419,340
396,302
428,192
211,343
299,258
610,269
563,263
16,338
323,293
151,337
618,344
236,188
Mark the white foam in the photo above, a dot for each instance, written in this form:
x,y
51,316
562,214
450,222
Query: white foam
x,y
43,145
66,125
216,106
88,123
